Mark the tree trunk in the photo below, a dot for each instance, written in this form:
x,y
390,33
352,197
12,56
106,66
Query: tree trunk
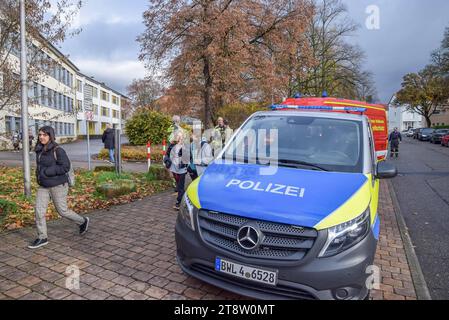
x,y
429,122
207,93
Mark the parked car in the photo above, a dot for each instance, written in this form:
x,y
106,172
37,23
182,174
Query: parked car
x,y
445,141
410,133
424,134
438,134
416,132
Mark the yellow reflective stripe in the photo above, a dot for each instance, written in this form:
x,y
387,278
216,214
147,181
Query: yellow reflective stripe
x,y
192,193
353,105
350,210
374,197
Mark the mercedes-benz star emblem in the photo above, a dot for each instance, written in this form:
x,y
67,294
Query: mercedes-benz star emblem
x,y
248,237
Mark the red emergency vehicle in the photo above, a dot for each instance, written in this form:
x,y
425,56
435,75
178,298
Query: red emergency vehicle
x,y
376,113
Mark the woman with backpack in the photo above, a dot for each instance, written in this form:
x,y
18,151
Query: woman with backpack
x,y
52,173
177,161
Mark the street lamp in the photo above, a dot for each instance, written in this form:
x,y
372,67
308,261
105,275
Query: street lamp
x,y
24,102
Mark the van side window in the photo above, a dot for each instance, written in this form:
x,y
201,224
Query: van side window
x,y
373,154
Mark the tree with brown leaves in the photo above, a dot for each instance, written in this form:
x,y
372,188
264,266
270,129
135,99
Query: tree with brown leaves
x,y
222,51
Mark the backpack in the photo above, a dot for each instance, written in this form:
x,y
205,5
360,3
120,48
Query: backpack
x,y
71,174
167,160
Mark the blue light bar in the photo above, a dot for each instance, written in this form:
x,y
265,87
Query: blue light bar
x,y
327,108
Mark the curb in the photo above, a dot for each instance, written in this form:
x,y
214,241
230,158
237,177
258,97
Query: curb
x,y
422,291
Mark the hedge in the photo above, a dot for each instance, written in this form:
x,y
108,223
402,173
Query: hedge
x,y
147,126
135,153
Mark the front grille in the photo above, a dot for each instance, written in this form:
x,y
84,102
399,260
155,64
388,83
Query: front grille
x,y
280,242
282,291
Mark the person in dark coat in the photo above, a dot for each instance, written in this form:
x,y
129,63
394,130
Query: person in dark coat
x,y
108,139
52,168
395,138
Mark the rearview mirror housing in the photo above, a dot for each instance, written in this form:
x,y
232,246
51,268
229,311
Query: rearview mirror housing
x,y
386,170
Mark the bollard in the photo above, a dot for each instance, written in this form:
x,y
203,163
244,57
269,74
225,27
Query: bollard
x,y
149,154
164,147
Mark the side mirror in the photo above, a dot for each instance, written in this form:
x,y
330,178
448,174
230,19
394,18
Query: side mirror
x,y
386,170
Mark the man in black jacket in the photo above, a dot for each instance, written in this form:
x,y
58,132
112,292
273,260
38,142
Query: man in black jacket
x,y
395,138
53,165
108,139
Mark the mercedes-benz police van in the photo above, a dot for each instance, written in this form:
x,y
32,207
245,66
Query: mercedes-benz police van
x,y
303,225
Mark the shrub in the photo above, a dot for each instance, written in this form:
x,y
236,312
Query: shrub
x,y
136,153
158,173
147,126
116,188
237,113
111,176
104,168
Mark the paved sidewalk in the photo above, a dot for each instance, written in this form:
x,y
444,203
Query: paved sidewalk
x,y
129,253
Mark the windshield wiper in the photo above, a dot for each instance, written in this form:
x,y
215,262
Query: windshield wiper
x,y
301,163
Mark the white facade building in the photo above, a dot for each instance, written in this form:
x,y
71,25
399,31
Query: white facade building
x,y
399,116
56,99
51,99
106,106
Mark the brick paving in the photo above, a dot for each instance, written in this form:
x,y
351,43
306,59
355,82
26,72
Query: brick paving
x,y
129,253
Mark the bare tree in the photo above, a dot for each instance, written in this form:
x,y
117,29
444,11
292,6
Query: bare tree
x,y
337,65
144,93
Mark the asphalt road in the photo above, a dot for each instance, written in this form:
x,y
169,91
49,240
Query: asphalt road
x,y
422,189
77,152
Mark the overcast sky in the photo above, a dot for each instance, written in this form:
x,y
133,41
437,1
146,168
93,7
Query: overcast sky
x,y
409,31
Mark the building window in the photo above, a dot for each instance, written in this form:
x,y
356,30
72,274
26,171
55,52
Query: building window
x,y
115,114
50,98
79,86
91,128
64,103
18,124
60,107
94,92
95,109
79,105
103,126
8,124
104,112
104,96
115,100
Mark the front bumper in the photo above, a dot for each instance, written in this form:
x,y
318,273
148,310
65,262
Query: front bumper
x,y
342,276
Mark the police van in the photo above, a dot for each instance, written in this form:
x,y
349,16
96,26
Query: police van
x,y
301,225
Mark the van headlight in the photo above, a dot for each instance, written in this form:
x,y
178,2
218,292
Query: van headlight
x,y
186,211
346,235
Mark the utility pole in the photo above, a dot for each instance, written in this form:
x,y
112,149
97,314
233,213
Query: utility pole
x,y
24,98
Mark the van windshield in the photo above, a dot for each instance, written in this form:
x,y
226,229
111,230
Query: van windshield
x,y
305,142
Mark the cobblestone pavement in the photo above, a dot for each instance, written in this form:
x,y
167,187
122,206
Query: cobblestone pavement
x,y
129,253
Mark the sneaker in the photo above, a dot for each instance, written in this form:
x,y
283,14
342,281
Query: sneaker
x,y
84,226
176,207
38,243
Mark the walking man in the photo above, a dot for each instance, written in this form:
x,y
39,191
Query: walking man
x,y
108,139
395,138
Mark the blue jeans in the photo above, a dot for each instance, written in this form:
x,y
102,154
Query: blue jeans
x,y
111,155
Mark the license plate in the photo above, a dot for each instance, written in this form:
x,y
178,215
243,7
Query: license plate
x,y
246,272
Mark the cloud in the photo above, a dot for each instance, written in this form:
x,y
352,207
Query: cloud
x,y
117,74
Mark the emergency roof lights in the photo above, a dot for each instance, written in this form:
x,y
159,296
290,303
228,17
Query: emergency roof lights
x,y
325,108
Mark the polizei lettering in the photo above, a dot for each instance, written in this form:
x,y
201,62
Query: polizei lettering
x,y
267,187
